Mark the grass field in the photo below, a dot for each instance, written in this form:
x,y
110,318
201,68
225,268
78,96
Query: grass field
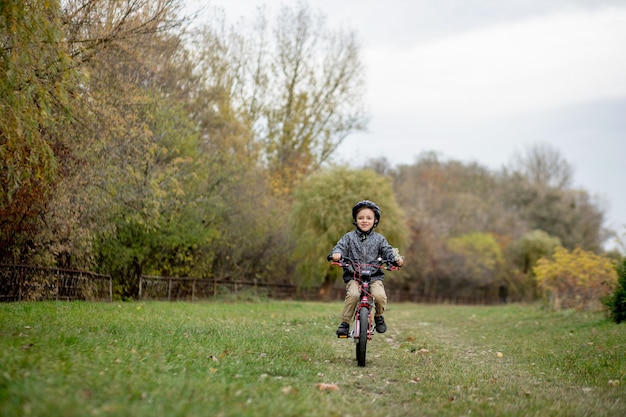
x,y
283,359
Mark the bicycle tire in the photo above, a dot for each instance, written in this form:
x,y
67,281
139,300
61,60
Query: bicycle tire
x,y
361,344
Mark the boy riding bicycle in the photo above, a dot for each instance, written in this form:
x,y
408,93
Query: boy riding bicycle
x,y
364,245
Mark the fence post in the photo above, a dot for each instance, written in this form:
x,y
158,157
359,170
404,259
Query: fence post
x,y
193,289
20,277
110,288
169,289
140,285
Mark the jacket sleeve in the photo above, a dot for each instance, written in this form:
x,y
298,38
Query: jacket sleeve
x,y
386,252
341,247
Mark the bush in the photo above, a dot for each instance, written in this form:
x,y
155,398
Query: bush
x,y
616,302
577,279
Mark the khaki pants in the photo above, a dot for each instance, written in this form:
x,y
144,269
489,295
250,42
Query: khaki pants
x,y
353,295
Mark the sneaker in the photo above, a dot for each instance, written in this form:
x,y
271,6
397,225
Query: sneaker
x,y
343,330
381,327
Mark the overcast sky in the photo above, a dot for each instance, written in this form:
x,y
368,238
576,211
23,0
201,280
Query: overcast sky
x,y
481,80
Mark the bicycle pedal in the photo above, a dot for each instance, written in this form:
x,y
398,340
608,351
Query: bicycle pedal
x,y
342,336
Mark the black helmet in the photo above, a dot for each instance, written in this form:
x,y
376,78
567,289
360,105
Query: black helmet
x,y
366,204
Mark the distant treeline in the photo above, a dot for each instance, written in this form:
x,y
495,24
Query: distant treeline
x,y
131,146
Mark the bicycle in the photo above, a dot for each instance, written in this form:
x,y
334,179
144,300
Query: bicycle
x,y
363,329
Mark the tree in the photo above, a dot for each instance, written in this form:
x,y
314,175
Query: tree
x,y
299,88
37,87
543,166
446,199
538,188
92,26
577,279
475,264
140,191
51,114
321,214
526,251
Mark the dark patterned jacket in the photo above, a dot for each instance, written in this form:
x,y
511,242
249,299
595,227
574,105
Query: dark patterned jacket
x,y
364,248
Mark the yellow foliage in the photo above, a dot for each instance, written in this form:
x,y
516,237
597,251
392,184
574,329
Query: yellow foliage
x,y
576,279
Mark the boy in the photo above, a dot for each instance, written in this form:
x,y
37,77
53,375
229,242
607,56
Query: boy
x,y
364,245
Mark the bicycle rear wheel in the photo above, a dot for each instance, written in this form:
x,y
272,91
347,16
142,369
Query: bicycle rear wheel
x,y
361,344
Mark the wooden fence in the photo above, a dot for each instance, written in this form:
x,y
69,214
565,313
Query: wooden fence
x,y
28,283
31,283
192,289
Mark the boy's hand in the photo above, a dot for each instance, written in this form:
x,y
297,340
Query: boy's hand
x,y
336,257
399,259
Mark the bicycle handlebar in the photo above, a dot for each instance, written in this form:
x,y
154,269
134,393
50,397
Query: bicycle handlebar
x,y
346,262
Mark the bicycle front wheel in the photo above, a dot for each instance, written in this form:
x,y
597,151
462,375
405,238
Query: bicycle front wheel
x,y
361,344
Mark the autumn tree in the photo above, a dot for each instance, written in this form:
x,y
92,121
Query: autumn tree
x,y
543,166
475,265
538,187
130,131
149,177
577,279
445,199
92,26
55,46
296,84
524,254
322,213
37,88
455,198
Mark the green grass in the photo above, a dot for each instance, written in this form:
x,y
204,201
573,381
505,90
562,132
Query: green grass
x,y
267,359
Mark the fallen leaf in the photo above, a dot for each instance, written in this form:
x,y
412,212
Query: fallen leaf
x,y
327,387
289,390
499,354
